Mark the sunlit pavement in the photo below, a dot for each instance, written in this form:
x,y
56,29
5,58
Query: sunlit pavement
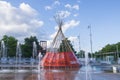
x,y
57,75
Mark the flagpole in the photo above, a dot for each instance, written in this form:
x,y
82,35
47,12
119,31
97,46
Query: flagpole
x,y
79,44
89,27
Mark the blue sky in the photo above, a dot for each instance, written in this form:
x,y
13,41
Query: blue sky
x,y
23,18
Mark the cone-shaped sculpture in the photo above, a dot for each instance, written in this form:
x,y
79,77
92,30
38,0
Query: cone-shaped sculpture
x,y
60,53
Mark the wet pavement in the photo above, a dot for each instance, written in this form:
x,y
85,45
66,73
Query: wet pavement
x,y
58,74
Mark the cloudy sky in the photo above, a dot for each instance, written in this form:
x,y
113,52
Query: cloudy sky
x,y
23,18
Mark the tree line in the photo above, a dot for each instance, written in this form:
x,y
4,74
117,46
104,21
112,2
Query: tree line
x,y
107,50
26,46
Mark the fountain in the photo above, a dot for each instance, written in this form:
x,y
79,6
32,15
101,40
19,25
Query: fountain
x,y
4,62
34,53
39,66
38,73
87,70
19,61
52,74
18,55
3,57
3,53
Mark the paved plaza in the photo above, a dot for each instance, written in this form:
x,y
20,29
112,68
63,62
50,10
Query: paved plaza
x,y
57,75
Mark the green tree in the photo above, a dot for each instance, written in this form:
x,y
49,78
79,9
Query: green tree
x,y
66,46
115,48
109,48
27,47
81,53
10,43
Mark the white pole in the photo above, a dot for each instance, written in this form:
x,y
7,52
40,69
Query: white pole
x,y
91,41
117,54
79,44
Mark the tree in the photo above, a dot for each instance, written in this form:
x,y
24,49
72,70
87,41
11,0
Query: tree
x,y
66,46
81,53
69,42
109,48
27,47
10,43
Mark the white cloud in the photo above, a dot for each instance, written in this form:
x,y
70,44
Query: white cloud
x,y
53,35
75,15
76,7
36,22
27,9
66,26
70,24
64,14
18,21
49,43
68,6
72,38
57,2
74,41
48,7
53,5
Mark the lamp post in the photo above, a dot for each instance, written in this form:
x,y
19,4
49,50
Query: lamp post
x,y
79,44
117,53
89,27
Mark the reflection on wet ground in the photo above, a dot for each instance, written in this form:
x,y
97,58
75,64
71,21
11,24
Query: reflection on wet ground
x,y
55,74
